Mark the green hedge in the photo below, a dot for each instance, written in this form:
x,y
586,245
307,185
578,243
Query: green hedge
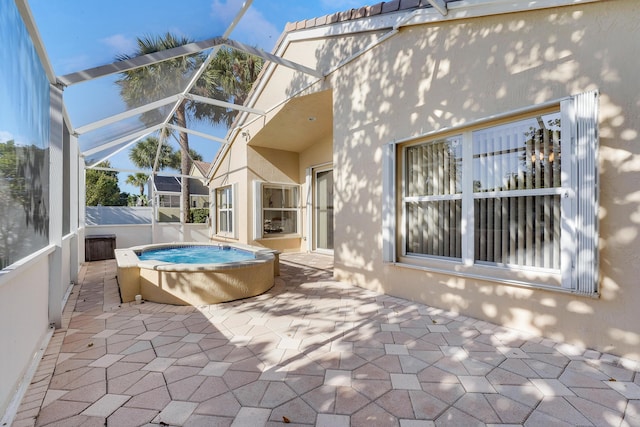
x,y
199,216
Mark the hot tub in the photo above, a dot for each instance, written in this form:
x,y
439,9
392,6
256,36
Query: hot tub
x,y
194,284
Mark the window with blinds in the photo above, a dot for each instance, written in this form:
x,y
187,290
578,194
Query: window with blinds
x,y
514,194
433,198
516,191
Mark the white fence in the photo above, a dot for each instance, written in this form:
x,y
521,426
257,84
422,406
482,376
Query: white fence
x,y
134,226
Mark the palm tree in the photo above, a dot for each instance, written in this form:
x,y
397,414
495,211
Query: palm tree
x,y
228,77
138,180
175,158
151,83
231,74
143,154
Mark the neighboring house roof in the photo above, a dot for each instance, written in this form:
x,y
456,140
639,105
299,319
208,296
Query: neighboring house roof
x,y
171,184
202,167
197,187
362,12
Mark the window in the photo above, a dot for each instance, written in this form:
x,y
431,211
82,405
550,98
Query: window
x,y
199,201
519,194
169,201
433,196
224,211
516,192
278,209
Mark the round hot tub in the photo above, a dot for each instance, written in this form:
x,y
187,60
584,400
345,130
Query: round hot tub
x,y
194,273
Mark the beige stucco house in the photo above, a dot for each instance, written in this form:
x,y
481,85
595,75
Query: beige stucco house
x,y
481,158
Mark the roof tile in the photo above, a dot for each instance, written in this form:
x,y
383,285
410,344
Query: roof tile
x,y
360,13
376,9
390,6
322,20
331,19
408,4
345,16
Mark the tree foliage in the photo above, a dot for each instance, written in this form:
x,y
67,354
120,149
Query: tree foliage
x,y
156,81
143,154
138,180
228,78
23,170
102,187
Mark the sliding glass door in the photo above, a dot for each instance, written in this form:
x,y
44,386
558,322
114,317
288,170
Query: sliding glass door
x,y
323,210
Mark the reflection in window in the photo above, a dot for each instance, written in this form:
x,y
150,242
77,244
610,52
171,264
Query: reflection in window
x,y
24,142
518,228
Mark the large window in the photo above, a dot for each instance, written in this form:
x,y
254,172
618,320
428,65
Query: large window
x,y
224,211
518,194
278,209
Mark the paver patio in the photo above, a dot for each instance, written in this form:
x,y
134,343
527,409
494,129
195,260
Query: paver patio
x,y
312,351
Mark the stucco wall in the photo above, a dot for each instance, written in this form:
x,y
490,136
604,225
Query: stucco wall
x,y
233,171
447,73
275,166
24,321
439,75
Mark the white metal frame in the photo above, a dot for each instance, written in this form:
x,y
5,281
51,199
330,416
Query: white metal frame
x,y
314,224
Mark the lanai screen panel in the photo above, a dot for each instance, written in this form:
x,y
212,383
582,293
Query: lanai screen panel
x,y
24,142
91,141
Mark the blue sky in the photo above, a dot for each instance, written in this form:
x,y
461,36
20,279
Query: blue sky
x,y
80,34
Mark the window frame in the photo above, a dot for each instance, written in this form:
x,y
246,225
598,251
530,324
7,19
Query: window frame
x,y
578,272
259,210
231,213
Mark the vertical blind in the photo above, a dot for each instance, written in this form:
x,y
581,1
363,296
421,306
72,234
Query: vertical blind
x,y
433,198
516,169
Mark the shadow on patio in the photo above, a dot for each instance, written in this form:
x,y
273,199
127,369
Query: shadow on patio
x,y
312,351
